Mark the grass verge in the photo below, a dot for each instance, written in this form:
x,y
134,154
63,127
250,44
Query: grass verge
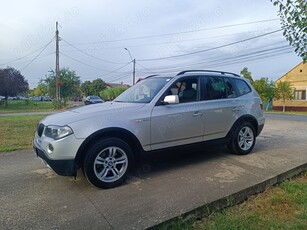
x,y
26,106
23,106
17,132
281,207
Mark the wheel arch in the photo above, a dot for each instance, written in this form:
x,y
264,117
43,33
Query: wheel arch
x,y
245,118
119,133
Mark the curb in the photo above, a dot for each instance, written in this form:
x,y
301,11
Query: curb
x,y
235,198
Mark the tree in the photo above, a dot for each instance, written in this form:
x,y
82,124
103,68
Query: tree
x,y
98,85
40,90
293,17
246,74
93,88
86,88
283,92
112,93
265,88
69,87
12,82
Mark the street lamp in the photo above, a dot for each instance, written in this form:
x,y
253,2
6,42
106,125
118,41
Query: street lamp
x,y
133,60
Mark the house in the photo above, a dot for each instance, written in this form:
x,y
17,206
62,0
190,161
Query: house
x,y
298,79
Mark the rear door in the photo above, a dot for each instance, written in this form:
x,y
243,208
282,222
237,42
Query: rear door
x,y
221,106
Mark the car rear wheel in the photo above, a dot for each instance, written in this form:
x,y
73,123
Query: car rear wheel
x,y
107,163
243,139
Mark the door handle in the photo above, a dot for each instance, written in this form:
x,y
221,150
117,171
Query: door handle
x,y
197,114
236,108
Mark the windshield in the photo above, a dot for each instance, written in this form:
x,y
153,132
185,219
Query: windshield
x,y
144,91
95,97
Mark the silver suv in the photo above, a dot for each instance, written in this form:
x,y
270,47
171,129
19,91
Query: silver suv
x,y
157,113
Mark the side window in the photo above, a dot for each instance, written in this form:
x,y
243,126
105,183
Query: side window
x,y
215,88
186,89
242,86
230,89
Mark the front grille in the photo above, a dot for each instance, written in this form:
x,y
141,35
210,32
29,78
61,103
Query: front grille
x,y
40,130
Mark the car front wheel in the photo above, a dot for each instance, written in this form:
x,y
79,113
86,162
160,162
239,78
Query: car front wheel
x,y
107,163
243,139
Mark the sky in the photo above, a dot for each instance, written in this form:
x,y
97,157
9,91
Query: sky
x,y
164,37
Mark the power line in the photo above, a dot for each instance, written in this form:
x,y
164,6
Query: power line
x,y
172,42
121,78
17,59
117,69
242,57
76,60
210,49
90,54
37,55
147,70
176,33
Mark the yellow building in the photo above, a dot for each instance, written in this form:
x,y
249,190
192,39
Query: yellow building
x,y
298,79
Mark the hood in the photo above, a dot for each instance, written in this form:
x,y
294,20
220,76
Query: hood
x,y
90,112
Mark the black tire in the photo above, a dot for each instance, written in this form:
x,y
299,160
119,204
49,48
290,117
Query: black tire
x,y
243,139
107,163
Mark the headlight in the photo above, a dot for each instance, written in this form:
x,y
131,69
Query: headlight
x,y
57,132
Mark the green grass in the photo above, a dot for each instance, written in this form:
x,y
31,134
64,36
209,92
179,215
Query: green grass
x,y
22,106
281,207
18,106
17,132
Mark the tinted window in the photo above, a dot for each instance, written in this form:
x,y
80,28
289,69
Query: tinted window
x,y
230,89
242,86
215,88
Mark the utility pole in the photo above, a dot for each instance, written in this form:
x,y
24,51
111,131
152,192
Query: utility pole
x,y
133,60
57,65
133,72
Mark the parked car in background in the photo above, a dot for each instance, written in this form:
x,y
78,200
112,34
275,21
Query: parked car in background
x,y
37,98
12,98
159,112
93,100
2,98
47,98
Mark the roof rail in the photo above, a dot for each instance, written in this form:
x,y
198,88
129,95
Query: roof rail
x,y
208,71
153,75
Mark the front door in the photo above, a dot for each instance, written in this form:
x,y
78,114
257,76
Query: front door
x,y
179,124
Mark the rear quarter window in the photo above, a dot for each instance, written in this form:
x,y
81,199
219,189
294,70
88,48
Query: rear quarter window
x,y
242,87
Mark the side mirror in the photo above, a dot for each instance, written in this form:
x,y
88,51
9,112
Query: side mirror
x,y
171,99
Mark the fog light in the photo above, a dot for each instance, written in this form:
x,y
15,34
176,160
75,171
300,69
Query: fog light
x,y
50,148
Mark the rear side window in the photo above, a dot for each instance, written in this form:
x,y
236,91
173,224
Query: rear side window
x,y
215,88
242,86
230,88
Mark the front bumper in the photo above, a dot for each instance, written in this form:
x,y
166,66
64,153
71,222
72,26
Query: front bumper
x,y
62,167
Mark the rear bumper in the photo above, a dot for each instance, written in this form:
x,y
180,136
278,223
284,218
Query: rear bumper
x,y
61,167
260,128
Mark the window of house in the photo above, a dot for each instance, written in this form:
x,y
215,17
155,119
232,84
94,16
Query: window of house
x,y
299,94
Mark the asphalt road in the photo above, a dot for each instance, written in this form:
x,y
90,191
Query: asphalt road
x,y
33,197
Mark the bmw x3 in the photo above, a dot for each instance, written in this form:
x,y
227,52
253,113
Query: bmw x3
x,y
157,113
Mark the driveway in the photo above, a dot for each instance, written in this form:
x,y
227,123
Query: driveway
x,y
33,197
